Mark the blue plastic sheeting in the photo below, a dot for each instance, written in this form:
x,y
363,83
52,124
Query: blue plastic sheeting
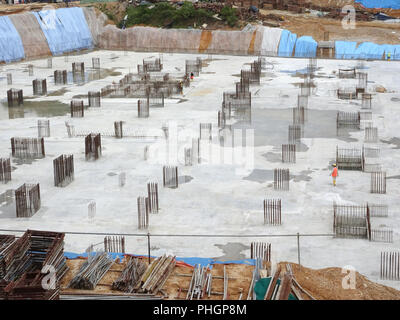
x,y
286,43
345,49
394,4
369,50
65,29
306,46
11,47
188,260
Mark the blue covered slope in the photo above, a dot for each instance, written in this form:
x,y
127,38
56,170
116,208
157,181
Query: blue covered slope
x,y
11,47
65,29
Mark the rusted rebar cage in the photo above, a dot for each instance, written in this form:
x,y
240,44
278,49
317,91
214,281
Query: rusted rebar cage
x,y
193,66
351,221
28,148
243,86
365,115
347,94
143,108
5,170
347,73
261,250
39,87
349,158
272,211
252,77
188,156
378,235
155,100
60,77
15,97
312,65
152,65
77,109
305,89
371,134
299,115
378,210
170,177
362,80
115,91
27,200
49,63
63,170
118,129
152,195
302,101
295,133
93,146
30,70
9,79
281,179
221,119
242,113
143,212
359,91
289,153
348,119
390,266
94,98
43,128
78,67
114,244
378,182
96,63
205,131
366,101
370,152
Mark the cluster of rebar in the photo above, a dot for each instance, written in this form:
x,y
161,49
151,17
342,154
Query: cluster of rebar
x,y
200,283
24,263
156,274
130,276
92,271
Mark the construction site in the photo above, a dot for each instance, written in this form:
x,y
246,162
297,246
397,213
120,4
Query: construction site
x,y
155,163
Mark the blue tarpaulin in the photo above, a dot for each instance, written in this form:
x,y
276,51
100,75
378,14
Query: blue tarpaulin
x,y
65,29
345,49
394,4
306,46
286,43
11,47
369,50
188,260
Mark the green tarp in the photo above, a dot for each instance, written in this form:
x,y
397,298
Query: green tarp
x,y
261,288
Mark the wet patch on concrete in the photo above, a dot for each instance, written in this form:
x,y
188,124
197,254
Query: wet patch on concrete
x,y
184,179
260,175
111,174
271,126
395,99
20,161
232,251
57,93
7,205
34,108
394,140
393,177
302,176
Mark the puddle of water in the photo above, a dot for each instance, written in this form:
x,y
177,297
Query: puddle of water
x,y
232,251
271,126
32,108
184,179
394,140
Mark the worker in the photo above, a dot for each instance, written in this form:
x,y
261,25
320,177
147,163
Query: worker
x,y
181,87
334,174
191,76
388,56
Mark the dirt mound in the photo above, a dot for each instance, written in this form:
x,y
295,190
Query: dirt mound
x,y
326,284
